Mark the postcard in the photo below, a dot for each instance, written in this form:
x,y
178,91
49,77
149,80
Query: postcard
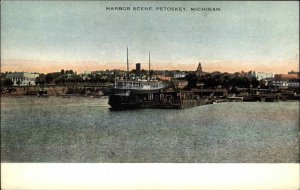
x,y
142,94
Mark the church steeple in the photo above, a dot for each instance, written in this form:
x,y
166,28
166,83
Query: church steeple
x,y
199,68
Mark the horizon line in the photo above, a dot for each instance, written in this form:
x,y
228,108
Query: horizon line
x,y
229,66
124,70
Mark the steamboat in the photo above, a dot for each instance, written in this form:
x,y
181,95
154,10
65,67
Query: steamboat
x,y
132,94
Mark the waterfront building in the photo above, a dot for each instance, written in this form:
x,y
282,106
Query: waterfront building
x,y
294,83
179,75
294,72
285,77
98,72
85,75
221,92
180,84
164,77
22,78
200,85
280,84
262,75
266,82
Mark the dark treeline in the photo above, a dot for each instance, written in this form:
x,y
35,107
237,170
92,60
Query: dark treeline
x,y
221,80
69,76
207,80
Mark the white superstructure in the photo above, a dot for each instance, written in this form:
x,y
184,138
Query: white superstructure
x,y
262,75
22,78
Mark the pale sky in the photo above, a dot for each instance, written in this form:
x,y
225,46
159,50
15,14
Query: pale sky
x,y
49,36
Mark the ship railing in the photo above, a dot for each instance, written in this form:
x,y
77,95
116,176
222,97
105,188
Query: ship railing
x,y
137,85
141,88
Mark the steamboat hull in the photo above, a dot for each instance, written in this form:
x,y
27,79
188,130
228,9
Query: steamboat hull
x,y
119,102
132,99
156,99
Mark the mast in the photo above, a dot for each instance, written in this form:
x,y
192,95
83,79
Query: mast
x,y
149,68
115,79
127,65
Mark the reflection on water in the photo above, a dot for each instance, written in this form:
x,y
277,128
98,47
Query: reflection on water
x,y
81,129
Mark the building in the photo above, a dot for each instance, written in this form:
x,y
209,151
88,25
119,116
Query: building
x,y
180,84
280,84
22,78
262,75
294,83
285,77
199,69
163,77
294,72
137,70
179,75
85,75
200,85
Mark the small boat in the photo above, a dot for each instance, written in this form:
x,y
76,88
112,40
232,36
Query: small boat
x,y
65,96
42,94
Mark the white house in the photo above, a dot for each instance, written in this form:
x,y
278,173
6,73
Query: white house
x,y
179,75
295,83
262,75
280,84
24,78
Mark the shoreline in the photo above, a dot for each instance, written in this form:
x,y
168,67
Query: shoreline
x,y
215,101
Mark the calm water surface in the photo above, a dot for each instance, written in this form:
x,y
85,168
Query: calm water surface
x,y
82,129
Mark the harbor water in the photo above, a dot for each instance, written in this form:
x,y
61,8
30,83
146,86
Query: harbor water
x,y
81,129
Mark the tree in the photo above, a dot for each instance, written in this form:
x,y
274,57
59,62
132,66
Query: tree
x,y
71,72
50,77
151,73
74,78
192,80
132,71
8,82
40,79
211,82
18,82
60,79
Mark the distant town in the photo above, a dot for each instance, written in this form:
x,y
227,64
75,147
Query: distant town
x,y
98,82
